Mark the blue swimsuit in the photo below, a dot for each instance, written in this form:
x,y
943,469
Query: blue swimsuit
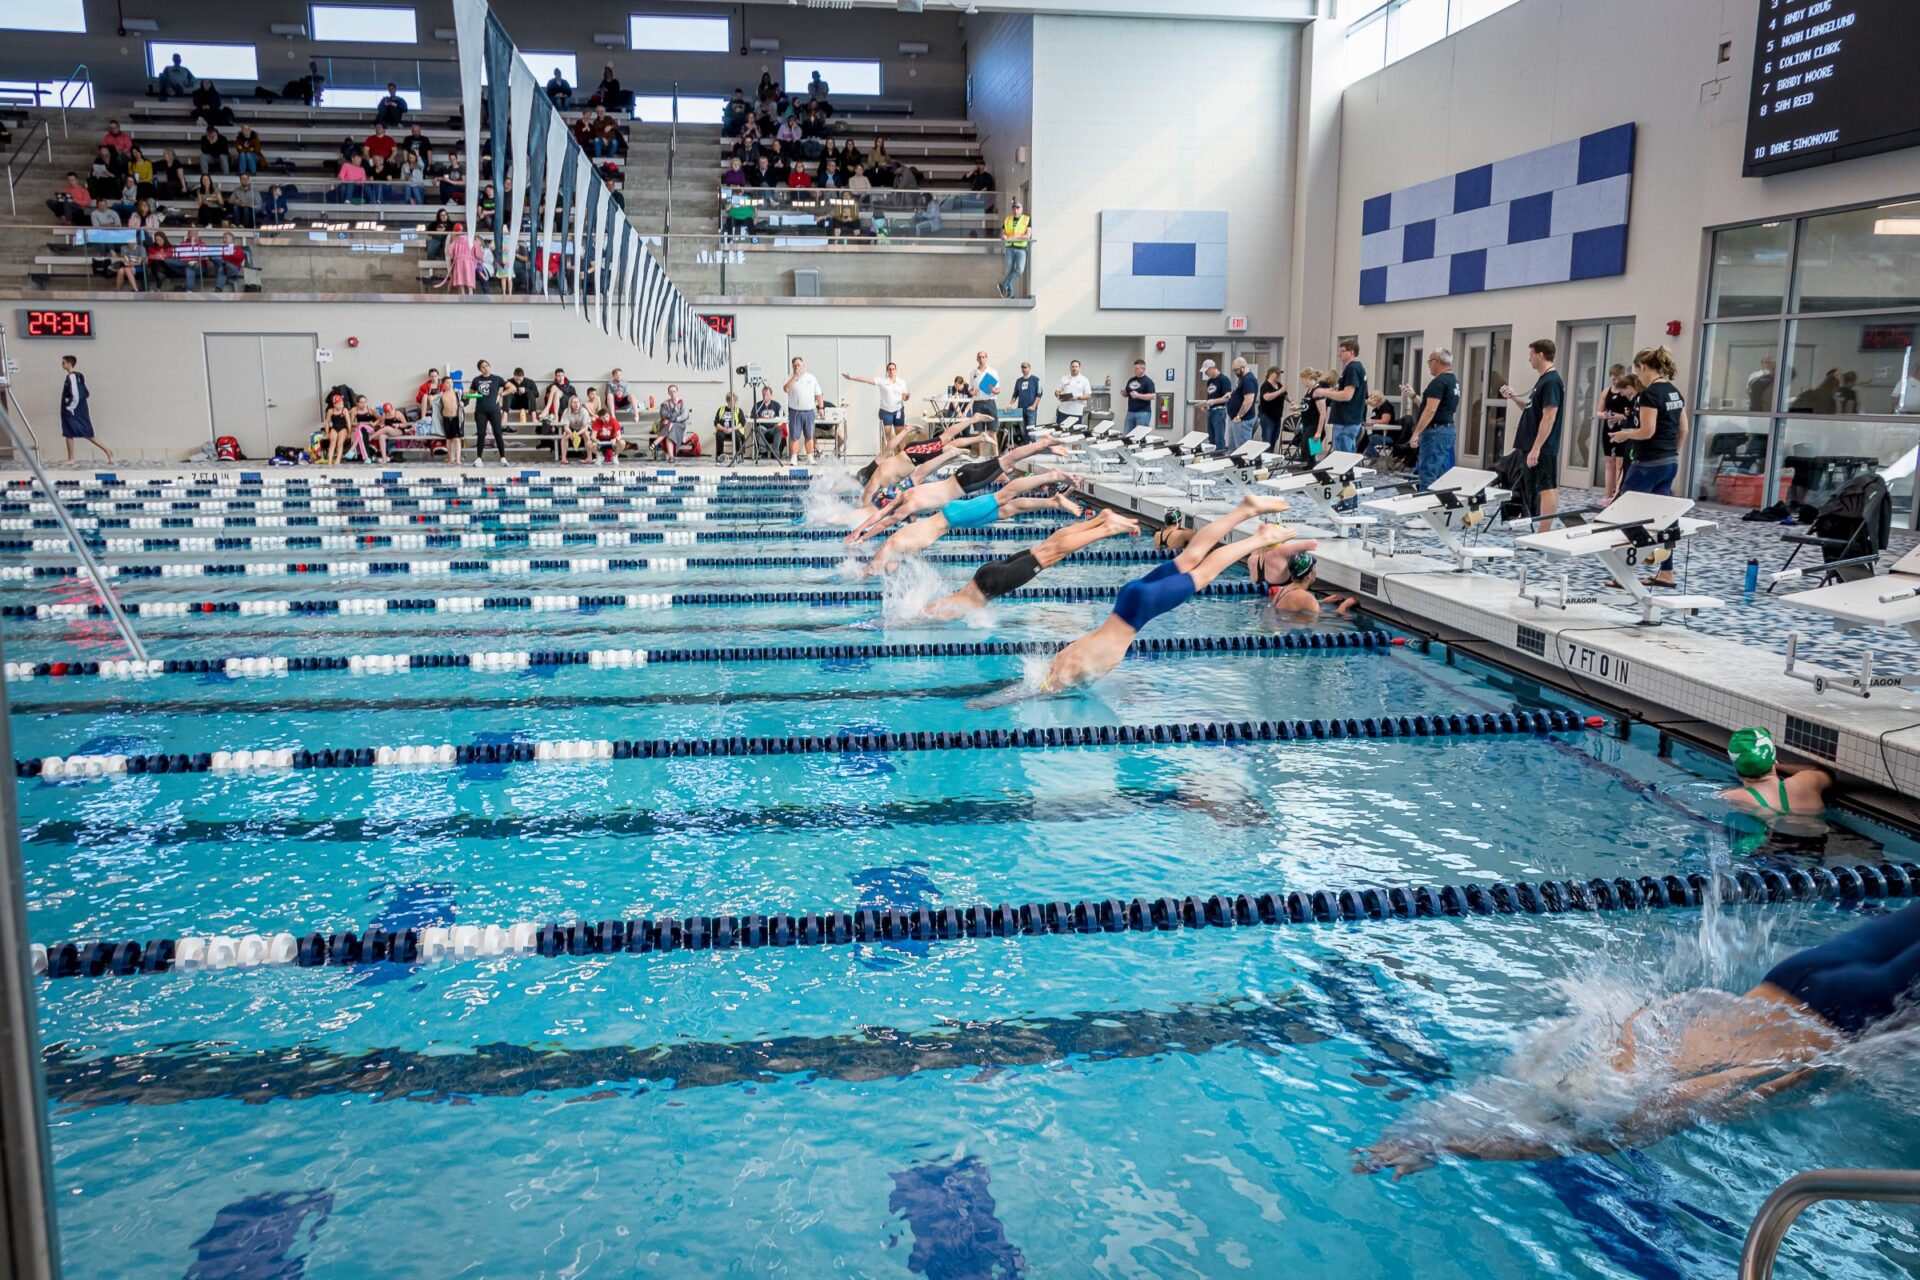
x,y
1861,976
1162,588
972,513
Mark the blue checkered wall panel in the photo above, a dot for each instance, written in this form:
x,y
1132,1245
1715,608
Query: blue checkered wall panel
x,y
1546,217
1155,260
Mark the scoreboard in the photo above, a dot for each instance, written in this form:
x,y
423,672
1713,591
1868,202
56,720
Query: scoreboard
x,y
1832,80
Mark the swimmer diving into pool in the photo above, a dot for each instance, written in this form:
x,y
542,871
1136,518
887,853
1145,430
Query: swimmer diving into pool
x,y
1680,1060
1165,587
917,493
973,513
991,581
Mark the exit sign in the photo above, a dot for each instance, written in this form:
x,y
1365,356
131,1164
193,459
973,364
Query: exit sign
x,y
1236,324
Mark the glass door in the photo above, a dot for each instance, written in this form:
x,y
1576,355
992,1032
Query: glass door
x,y
1402,363
1592,348
1483,365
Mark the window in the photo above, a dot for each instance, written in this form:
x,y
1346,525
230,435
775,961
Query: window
x,y
657,108
1739,368
206,61
43,15
1389,30
362,24
678,35
1366,47
1413,25
46,93
365,99
1859,260
845,79
1750,270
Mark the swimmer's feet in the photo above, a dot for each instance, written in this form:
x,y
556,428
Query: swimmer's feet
x,y
1274,535
1119,523
1062,502
1261,504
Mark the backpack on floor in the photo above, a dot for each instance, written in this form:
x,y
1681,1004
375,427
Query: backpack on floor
x,y
227,449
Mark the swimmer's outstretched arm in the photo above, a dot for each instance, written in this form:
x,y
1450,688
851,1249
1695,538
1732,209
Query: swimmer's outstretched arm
x,y
882,520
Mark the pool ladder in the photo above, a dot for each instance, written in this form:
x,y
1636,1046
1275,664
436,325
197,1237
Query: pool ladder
x,y
1802,1191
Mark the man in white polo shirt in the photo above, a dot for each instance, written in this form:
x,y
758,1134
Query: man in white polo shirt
x,y
804,399
1075,395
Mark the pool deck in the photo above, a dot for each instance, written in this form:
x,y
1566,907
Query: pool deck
x,y
1699,677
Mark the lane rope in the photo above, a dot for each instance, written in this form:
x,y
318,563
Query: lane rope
x,y
1088,917
348,605
1209,733
602,538
550,564
523,659
691,513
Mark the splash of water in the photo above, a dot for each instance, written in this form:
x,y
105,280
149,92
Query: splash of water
x,y
826,500
909,590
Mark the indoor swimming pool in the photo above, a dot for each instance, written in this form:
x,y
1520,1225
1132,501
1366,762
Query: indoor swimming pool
x,y
1118,1103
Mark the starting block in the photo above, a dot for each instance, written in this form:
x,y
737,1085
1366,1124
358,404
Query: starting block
x,y
1331,486
1891,599
1233,470
1634,530
1455,505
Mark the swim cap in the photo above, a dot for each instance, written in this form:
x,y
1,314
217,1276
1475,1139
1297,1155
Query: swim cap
x,y
1301,565
1751,751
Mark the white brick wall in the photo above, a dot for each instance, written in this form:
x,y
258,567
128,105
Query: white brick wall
x,y
1145,113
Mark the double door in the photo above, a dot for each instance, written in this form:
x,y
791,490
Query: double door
x,y
829,357
263,388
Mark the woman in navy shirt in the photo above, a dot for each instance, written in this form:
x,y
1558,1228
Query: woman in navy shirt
x,y
1658,438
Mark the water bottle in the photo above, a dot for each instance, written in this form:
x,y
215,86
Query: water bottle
x,y
1753,575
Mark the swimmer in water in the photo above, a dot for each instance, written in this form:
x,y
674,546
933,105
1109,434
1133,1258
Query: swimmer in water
x,y
1766,788
974,513
1294,592
1167,586
991,581
925,495
1727,1055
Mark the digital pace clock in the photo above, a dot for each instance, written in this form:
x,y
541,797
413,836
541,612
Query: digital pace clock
x,y
720,324
56,322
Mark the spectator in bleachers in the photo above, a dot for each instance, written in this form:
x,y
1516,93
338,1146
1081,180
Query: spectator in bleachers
x,y
143,218
103,178
560,393
129,264
104,216
518,396
160,262
906,177
559,92
194,257
858,182
848,156
71,202
788,134
248,154
208,107
607,138
762,175
423,394
243,203
392,109
413,178
273,205
1016,231
230,265
463,262
140,169
675,416
437,232
926,217
380,176
978,179
610,95
813,124
175,80
453,182
120,141
817,89
379,143
798,179
735,114
416,143
129,196
215,149
169,176
735,176
486,205
352,180
881,168
209,206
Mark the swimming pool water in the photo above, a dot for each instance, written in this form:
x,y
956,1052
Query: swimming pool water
x,y
1122,1105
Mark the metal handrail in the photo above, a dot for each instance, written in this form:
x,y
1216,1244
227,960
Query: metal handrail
x,y
1794,1196
81,77
26,142
121,622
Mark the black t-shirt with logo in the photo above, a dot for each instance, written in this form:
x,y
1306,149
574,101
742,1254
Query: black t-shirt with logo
x,y
486,388
1548,393
1444,390
1139,384
1667,403
1351,413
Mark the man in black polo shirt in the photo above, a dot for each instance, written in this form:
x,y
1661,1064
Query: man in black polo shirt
x,y
1348,399
1240,404
1139,397
486,391
1538,436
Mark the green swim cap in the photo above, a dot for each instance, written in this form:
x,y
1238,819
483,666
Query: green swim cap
x,y
1301,565
1752,753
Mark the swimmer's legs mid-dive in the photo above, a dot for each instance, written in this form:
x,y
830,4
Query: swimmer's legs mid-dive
x,y
1010,573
